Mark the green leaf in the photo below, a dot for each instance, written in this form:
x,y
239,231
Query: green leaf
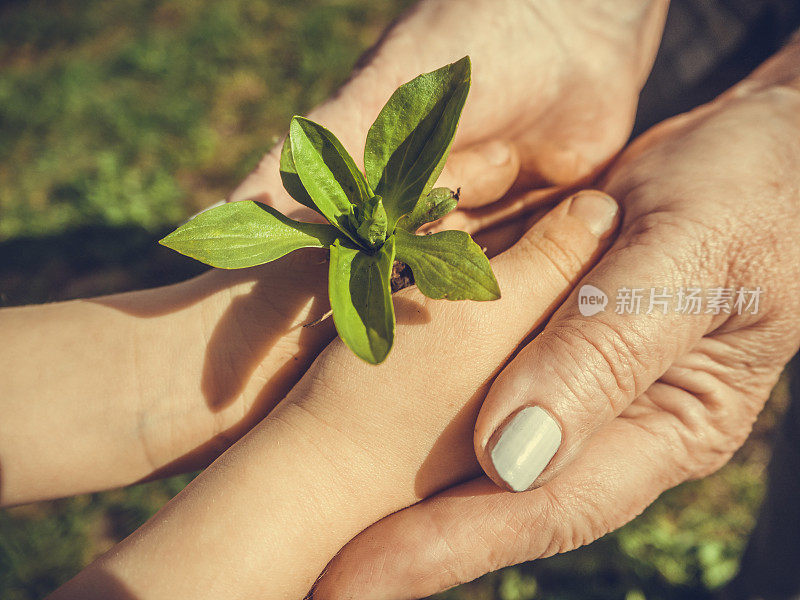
x,y
371,217
408,143
244,234
328,173
361,300
447,265
290,178
432,207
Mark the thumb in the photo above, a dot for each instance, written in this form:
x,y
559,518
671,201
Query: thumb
x,y
482,172
587,366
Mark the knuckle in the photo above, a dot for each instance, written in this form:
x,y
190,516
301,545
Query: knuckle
x,y
700,431
556,252
610,361
524,534
705,449
581,518
689,248
448,564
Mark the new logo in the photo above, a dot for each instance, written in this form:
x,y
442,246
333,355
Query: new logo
x,y
591,300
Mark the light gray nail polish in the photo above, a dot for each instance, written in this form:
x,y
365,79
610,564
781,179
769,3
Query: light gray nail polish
x,y
525,446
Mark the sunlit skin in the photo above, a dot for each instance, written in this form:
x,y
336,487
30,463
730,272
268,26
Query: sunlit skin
x,y
334,455
351,443
708,198
109,391
209,388
406,149
553,98
329,459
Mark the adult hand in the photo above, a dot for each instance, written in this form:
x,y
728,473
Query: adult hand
x,y
554,93
632,403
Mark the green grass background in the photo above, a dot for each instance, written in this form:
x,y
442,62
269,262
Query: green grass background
x,y
117,120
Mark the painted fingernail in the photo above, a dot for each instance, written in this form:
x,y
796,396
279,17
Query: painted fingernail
x,y
497,153
597,210
524,447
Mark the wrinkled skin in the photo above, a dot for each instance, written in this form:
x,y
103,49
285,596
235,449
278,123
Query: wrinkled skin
x,y
711,199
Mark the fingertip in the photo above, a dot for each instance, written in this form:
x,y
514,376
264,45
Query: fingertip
x,y
497,153
561,246
484,172
514,445
596,210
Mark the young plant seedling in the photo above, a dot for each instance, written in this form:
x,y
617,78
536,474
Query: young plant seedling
x,y
371,221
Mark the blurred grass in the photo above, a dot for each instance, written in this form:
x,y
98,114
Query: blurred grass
x,y
118,119
135,112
